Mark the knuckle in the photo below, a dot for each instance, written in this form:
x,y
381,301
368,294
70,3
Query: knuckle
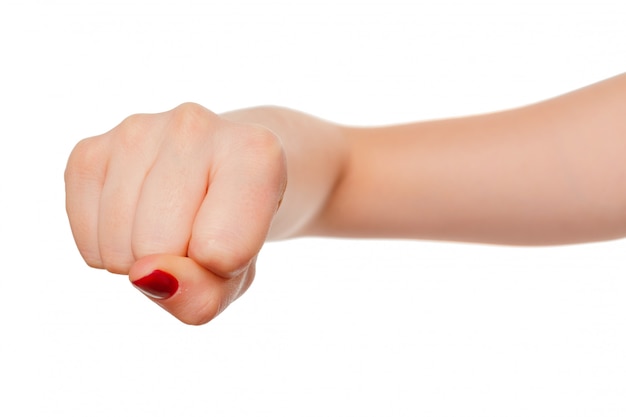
x,y
207,312
262,151
262,140
115,262
218,256
245,282
86,154
190,109
201,309
93,260
117,268
270,159
131,132
86,248
134,122
218,301
191,119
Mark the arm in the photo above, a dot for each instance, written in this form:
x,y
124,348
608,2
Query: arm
x,y
183,201
549,173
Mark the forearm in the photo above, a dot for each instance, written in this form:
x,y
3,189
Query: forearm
x,y
553,172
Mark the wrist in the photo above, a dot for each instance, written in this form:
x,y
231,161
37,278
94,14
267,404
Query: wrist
x,y
316,153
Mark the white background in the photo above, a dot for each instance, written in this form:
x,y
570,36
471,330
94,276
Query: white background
x,y
330,327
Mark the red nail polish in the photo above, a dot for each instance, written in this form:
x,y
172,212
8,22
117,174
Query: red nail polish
x,y
159,285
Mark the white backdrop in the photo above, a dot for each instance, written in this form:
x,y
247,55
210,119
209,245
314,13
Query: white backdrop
x,y
330,327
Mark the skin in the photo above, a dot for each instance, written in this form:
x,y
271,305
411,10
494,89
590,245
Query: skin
x,y
198,194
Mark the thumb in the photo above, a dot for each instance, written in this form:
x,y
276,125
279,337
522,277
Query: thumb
x,y
186,289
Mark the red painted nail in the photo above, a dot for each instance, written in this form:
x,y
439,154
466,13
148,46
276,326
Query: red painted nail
x,y
159,285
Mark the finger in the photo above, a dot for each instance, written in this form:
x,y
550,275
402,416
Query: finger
x,y
185,289
134,147
176,184
247,180
84,180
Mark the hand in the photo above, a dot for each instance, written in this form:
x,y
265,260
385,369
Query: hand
x,y
182,201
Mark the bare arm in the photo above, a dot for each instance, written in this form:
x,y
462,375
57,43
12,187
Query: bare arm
x,y
549,173
183,201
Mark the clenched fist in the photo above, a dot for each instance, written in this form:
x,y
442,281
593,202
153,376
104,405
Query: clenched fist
x,y
182,201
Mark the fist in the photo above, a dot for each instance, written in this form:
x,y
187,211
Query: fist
x,y
181,201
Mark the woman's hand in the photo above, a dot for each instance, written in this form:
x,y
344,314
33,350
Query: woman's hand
x,y
182,201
